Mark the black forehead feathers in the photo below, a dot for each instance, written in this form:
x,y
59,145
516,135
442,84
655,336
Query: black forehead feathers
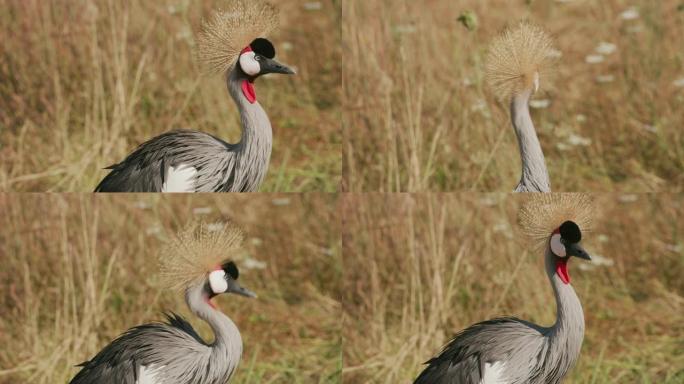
x,y
263,47
570,232
231,269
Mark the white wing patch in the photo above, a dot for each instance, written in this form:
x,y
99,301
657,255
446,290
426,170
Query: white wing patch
x,y
179,179
493,373
148,375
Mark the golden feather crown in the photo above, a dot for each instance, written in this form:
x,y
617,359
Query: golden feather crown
x,y
228,31
516,58
195,251
542,213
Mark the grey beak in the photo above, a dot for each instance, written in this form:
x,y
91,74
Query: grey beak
x,y
237,289
273,66
574,249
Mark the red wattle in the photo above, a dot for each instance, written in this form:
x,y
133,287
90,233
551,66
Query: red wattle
x,y
562,270
249,91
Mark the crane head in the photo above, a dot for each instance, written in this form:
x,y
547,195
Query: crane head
x,y
517,58
565,242
258,59
224,278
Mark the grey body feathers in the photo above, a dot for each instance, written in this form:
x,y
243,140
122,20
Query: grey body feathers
x,y
174,345
532,354
221,166
176,353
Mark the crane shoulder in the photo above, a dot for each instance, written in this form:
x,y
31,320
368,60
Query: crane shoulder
x,y
463,359
144,170
174,343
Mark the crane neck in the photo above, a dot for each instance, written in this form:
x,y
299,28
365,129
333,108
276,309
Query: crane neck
x,y
535,177
566,335
253,152
226,349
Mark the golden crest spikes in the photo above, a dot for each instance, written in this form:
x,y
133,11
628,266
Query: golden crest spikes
x,y
517,58
229,31
542,213
195,251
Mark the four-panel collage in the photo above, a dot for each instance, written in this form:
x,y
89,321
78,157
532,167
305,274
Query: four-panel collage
x,y
341,191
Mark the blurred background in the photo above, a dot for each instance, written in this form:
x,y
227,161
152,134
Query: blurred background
x,y
419,116
77,271
83,83
419,268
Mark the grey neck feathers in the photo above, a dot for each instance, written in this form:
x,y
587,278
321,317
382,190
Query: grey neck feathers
x,y
566,335
535,177
253,152
226,350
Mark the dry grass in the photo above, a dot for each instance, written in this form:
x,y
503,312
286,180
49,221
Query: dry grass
x,y
419,268
418,116
79,270
82,83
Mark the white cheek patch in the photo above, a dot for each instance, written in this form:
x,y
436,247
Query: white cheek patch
x,y
249,65
217,281
557,246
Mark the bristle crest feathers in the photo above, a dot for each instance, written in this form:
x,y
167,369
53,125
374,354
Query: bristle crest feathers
x,y
542,213
228,31
195,251
517,59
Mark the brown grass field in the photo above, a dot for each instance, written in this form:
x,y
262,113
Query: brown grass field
x,y
418,268
83,83
76,271
418,115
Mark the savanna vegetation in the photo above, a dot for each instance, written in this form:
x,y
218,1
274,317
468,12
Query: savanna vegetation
x,y
79,270
418,268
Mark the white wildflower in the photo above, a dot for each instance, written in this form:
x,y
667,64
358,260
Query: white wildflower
x,y
313,6
605,48
577,140
630,14
540,103
201,211
594,59
605,78
628,198
281,201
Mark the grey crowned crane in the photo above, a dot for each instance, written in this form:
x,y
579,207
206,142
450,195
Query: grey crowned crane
x,y
173,352
513,351
515,62
190,161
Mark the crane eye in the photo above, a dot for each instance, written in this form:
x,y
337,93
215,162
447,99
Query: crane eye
x,y
557,246
257,58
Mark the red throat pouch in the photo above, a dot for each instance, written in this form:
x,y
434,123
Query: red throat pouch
x,y
562,270
249,91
